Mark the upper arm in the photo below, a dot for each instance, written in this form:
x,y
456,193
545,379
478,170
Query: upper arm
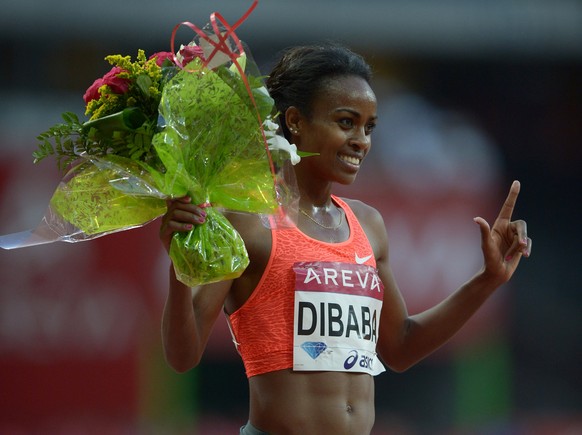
x,y
207,302
257,240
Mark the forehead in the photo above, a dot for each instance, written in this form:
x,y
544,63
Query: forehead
x,y
349,91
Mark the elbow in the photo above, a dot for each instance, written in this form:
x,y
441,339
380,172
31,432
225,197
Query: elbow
x,y
399,366
396,362
182,363
181,353
397,353
400,360
393,362
181,368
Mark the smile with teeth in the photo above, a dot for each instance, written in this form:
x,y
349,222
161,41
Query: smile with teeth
x,y
351,160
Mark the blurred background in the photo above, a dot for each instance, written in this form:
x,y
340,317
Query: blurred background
x,y
472,95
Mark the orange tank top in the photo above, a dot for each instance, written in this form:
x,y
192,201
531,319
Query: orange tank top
x,y
262,328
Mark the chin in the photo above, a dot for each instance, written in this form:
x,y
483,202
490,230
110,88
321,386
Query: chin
x,y
346,181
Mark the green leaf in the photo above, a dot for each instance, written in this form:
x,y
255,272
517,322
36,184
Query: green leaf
x,y
125,120
144,82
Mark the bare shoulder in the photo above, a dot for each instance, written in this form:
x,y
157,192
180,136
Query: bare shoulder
x,y
366,214
373,225
249,225
256,235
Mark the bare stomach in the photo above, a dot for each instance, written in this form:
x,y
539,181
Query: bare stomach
x,y
287,402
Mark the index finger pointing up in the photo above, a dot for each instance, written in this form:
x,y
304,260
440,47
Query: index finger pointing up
x,y
509,204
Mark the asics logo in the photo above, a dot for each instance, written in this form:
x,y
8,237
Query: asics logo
x,y
365,362
362,260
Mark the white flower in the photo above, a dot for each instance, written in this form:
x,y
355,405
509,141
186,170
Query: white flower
x,y
270,127
279,143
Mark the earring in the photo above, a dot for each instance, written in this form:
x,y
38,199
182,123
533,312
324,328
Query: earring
x,y
294,131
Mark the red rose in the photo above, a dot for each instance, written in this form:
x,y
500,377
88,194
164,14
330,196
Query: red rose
x,y
190,52
92,92
162,56
117,85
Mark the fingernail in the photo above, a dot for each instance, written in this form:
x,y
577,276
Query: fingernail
x,y
508,258
188,226
524,241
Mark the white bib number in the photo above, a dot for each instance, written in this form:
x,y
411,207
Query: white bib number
x,y
337,317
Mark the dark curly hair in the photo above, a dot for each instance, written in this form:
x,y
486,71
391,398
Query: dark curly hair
x,y
302,71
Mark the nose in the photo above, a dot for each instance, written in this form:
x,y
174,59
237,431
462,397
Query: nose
x,y
360,140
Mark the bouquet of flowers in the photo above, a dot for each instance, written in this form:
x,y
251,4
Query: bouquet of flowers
x,y
196,122
116,140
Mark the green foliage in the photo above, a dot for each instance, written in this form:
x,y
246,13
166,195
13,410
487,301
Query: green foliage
x,y
62,141
127,134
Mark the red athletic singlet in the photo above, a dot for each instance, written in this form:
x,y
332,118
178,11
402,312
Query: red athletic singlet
x,y
263,327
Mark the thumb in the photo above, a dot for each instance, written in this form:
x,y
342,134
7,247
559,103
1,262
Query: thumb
x,y
485,229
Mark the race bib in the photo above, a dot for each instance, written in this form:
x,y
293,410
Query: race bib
x,y
337,317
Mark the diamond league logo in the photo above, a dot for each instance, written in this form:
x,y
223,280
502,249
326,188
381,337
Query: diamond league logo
x,y
314,348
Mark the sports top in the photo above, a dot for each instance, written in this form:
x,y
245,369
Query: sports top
x,y
263,328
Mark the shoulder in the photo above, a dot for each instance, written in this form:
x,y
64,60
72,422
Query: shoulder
x,y
372,223
247,224
366,214
256,235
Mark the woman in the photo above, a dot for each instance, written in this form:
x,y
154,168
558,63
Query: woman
x,y
317,312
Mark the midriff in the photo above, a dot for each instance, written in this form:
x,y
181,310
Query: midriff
x,y
313,403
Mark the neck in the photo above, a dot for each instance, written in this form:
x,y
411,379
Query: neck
x,y
315,199
313,192
316,207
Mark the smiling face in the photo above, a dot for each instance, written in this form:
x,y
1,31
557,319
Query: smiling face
x,y
343,115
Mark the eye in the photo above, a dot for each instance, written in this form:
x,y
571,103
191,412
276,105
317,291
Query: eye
x,y
346,122
370,128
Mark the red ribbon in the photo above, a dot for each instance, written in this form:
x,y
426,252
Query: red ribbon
x,y
220,45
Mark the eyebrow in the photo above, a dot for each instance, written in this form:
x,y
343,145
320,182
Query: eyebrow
x,y
353,112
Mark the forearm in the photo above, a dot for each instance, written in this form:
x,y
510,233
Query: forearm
x,y
426,332
179,332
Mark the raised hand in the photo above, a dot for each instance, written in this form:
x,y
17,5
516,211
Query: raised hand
x,y
182,215
506,241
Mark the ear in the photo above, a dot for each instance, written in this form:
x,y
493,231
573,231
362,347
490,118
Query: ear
x,y
293,119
